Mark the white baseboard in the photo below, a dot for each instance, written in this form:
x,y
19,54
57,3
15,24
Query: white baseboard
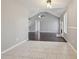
x,y
58,35
13,47
43,31
72,47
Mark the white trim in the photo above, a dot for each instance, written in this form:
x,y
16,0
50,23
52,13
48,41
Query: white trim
x,y
72,47
44,11
13,47
48,32
44,31
72,27
58,35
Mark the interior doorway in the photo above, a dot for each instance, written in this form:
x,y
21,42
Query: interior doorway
x,y
45,27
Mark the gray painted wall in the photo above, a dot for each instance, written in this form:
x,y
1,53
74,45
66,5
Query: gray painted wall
x,y
14,24
71,35
49,23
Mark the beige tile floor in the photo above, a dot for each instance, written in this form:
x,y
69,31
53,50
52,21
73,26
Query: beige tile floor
x,y
41,50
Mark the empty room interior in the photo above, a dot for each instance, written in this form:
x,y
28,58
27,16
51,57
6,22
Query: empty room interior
x,y
38,29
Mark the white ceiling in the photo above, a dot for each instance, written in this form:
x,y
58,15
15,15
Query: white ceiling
x,y
36,6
